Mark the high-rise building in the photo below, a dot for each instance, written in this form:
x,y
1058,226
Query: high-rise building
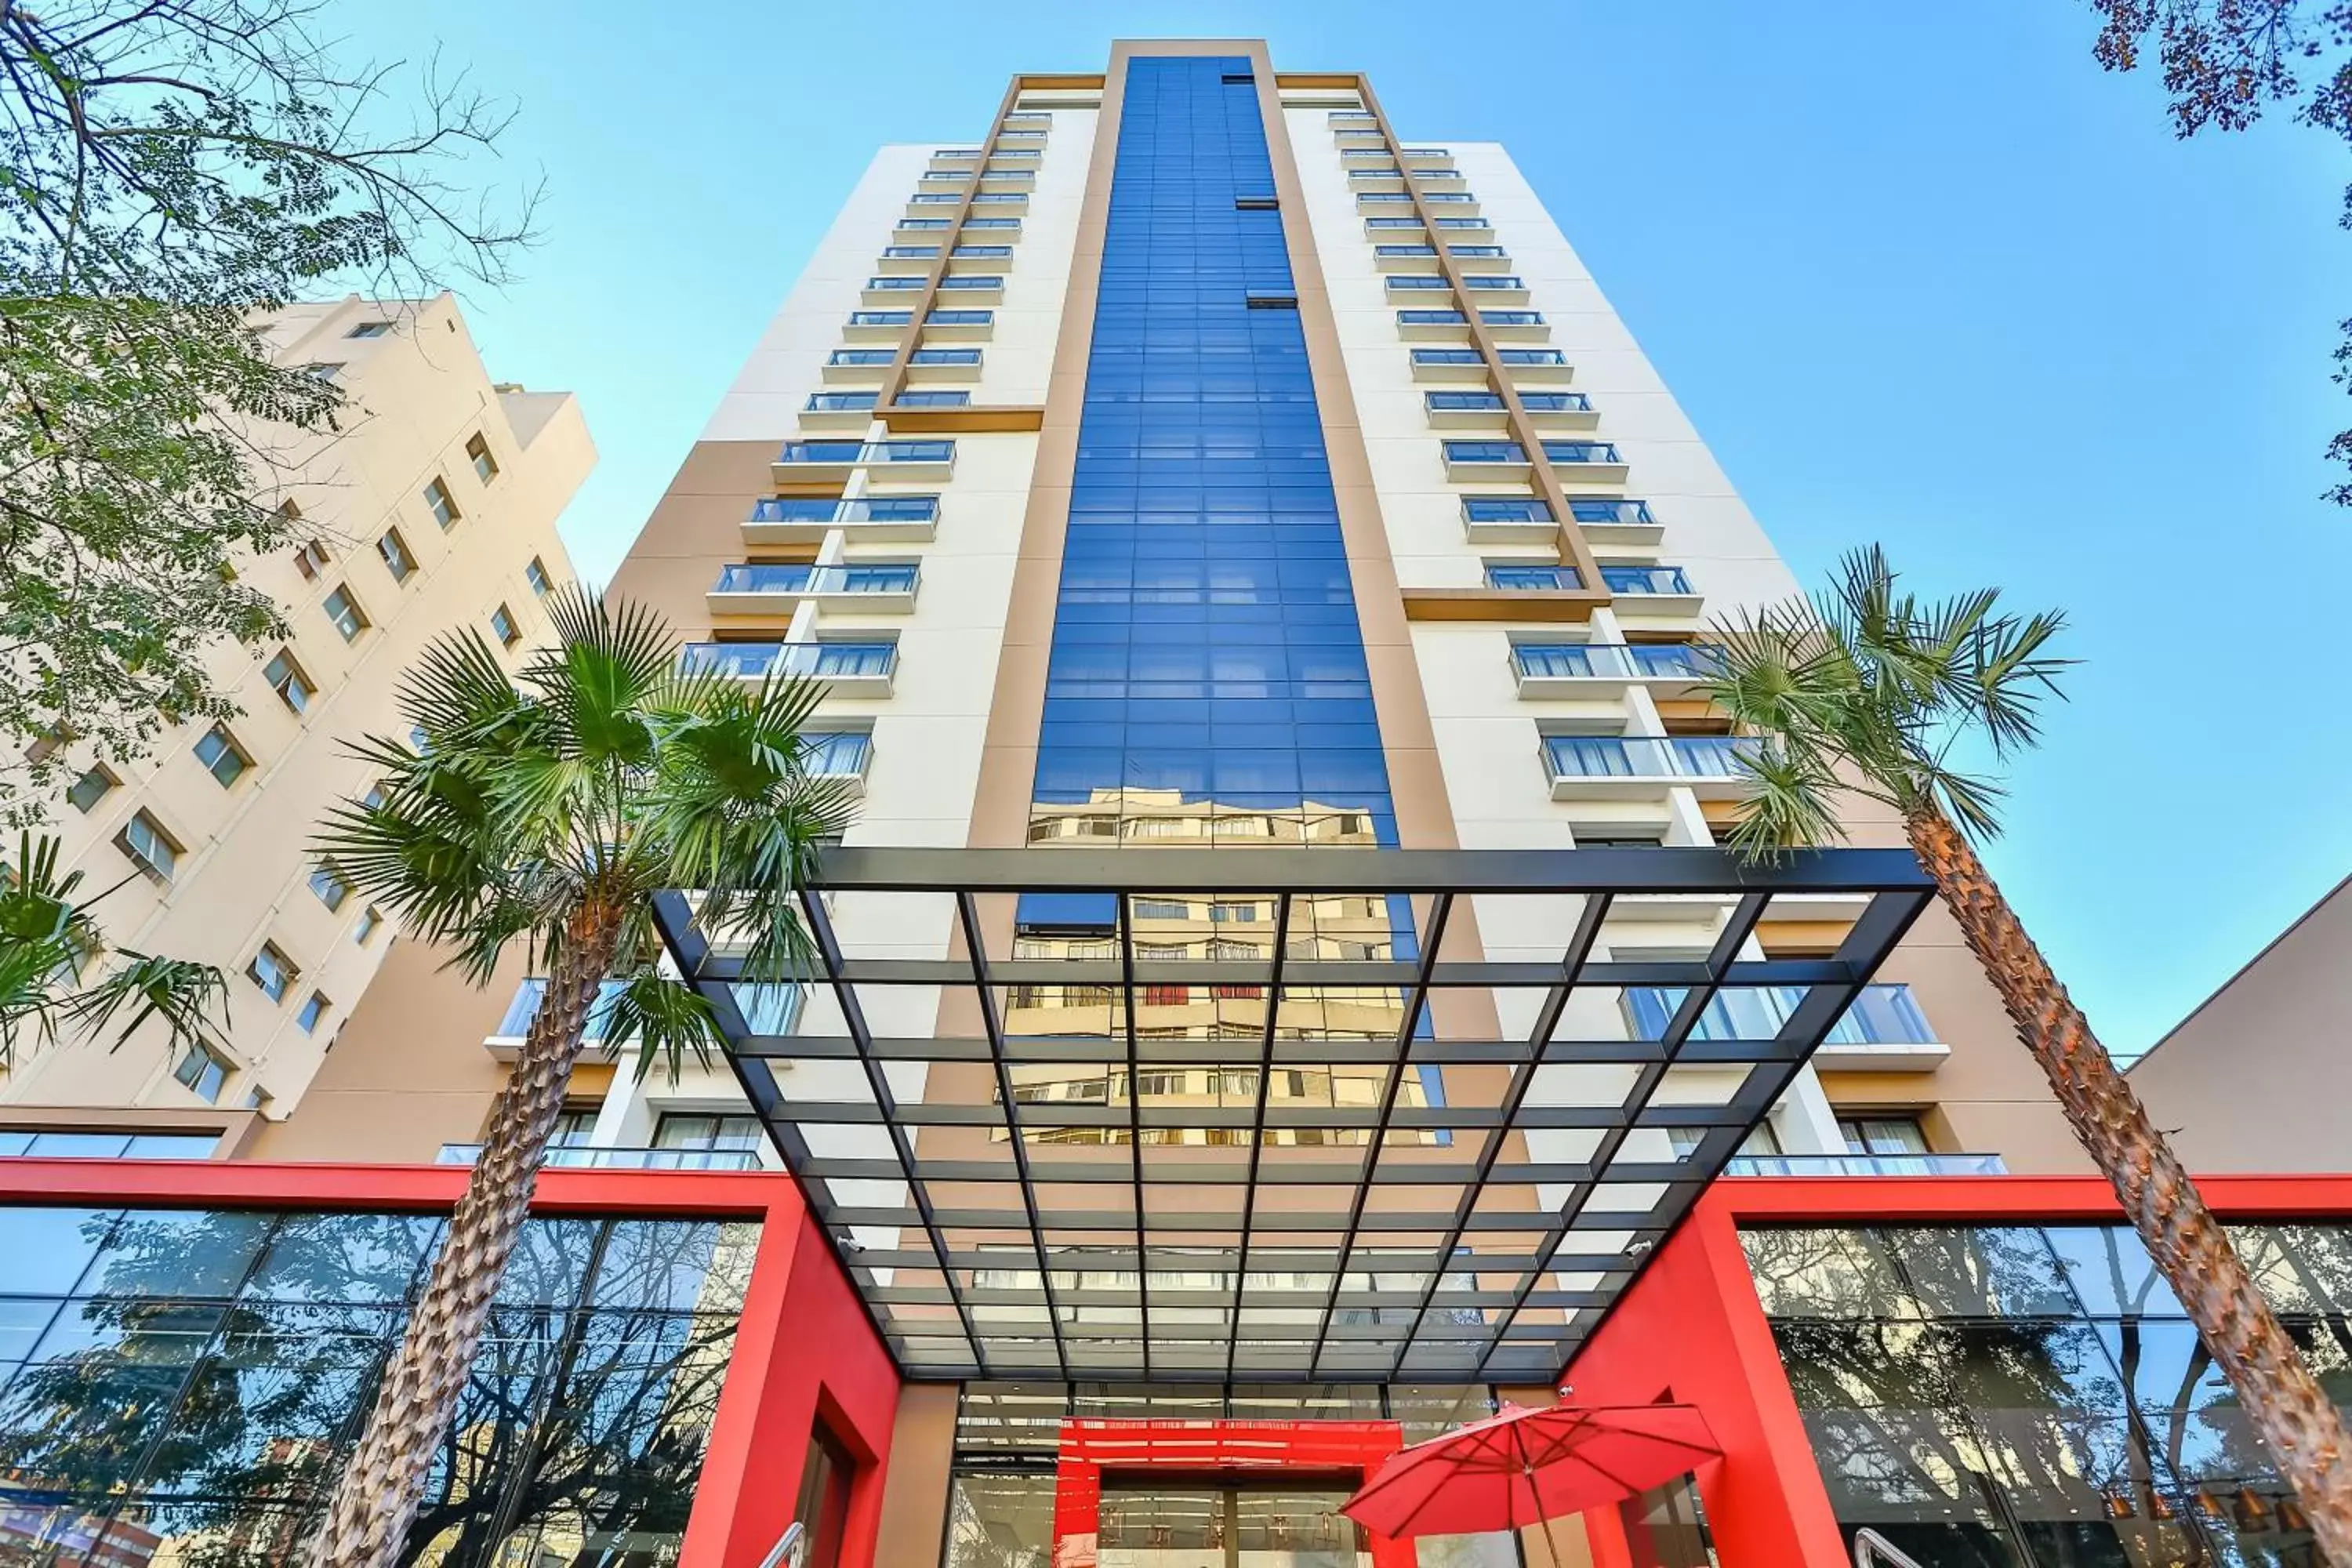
x,y
433,507
1279,999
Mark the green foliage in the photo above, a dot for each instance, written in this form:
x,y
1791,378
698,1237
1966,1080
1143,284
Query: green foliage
x,y
2225,61
169,173
597,777
47,939
1867,688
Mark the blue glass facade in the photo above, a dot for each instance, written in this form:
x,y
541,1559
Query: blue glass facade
x,y
1205,639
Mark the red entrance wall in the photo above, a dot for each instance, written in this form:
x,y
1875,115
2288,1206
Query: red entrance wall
x,y
1345,1450
803,1348
1693,1328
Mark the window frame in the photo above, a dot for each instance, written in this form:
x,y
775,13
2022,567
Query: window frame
x,y
144,820
289,972
353,610
442,503
399,561
229,748
485,462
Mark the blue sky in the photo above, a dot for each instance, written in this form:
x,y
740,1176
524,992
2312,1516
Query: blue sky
x,y
1950,289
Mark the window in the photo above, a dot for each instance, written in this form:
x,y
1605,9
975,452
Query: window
x,y
311,560
345,612
287,679
46,746
485,466
419,742
370,919
90,788
707,1143
502,625
313,1011
396,558
575,1127
369,329
1883,1134
441,503
150,848
272,971
536,575
222,756
328,884
321,370
202,1072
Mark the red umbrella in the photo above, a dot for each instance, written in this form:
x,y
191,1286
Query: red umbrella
x,y
1528,1467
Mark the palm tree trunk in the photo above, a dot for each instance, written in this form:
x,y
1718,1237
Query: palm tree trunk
x,y
379,1493
2303,1431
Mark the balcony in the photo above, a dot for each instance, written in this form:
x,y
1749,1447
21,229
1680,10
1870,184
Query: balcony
x,y
933,204
1508,520
838,410
1458,410
806,520
1449,364
888,288
1505,326
809,462
937,364
1433,158
1404,257
1417,285
1884,1022
921,227
759,589
876,326
1004,177
770,1009
618,1157
1602,669
1866,1164
1589,462
1009,227
1000,203
1387,225
973,288
847,669
915,258
1547,367
857,364
1495,286
1379,177
1469,462
1636,767
1605,519
959,326
842,754
1661,590
978,256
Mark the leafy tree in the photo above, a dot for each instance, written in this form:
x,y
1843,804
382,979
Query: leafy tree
x,y
545,812
170,170
1869,689
47,937
2227,61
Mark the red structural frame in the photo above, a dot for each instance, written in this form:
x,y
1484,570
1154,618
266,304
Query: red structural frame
x,y
805,1352
1224,1450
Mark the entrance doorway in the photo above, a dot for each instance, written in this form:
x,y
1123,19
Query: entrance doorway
x,y
1213,1523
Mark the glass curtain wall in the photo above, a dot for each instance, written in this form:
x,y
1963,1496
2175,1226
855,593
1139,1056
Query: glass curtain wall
x,y
185,1387
2008,1396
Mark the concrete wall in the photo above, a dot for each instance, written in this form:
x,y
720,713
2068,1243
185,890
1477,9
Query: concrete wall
x,y
2256,1078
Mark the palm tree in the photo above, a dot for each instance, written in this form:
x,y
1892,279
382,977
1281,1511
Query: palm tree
x,y
47,937
542,812
1865,688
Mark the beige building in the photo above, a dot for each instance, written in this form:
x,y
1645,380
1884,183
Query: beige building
x,y
886,494
2257,1078
434,508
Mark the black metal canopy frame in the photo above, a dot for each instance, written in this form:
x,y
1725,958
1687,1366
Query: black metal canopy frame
x,y
1279,1115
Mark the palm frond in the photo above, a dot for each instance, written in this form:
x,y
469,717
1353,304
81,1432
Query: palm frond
x,y
1789,805
597,680
185,995
662,1020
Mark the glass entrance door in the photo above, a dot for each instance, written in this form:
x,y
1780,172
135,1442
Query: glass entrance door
x,y
1229,1525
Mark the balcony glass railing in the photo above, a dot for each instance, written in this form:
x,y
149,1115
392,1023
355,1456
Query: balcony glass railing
x,y
1556,402
618,1157
768,1010
981,252
834,754
944,356
957,398
1644,756
1492,280
1581,452
1602,508
911,252
1463,196
1485,452
1431,319
1618,660
829,508
1527,357
1551,577
997,223
1645,579
924,223
1865,1165
958,318
1391,223
1404,250
881,318
799,579
838,452
1474,251
1463,402
976,282
838,402
884,282
860,356
1505,509
1407,281
824,661
1464,222
1883,1014
995,198
1447,356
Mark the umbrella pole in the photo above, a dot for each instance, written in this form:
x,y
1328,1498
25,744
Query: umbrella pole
x,y
1527,1467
